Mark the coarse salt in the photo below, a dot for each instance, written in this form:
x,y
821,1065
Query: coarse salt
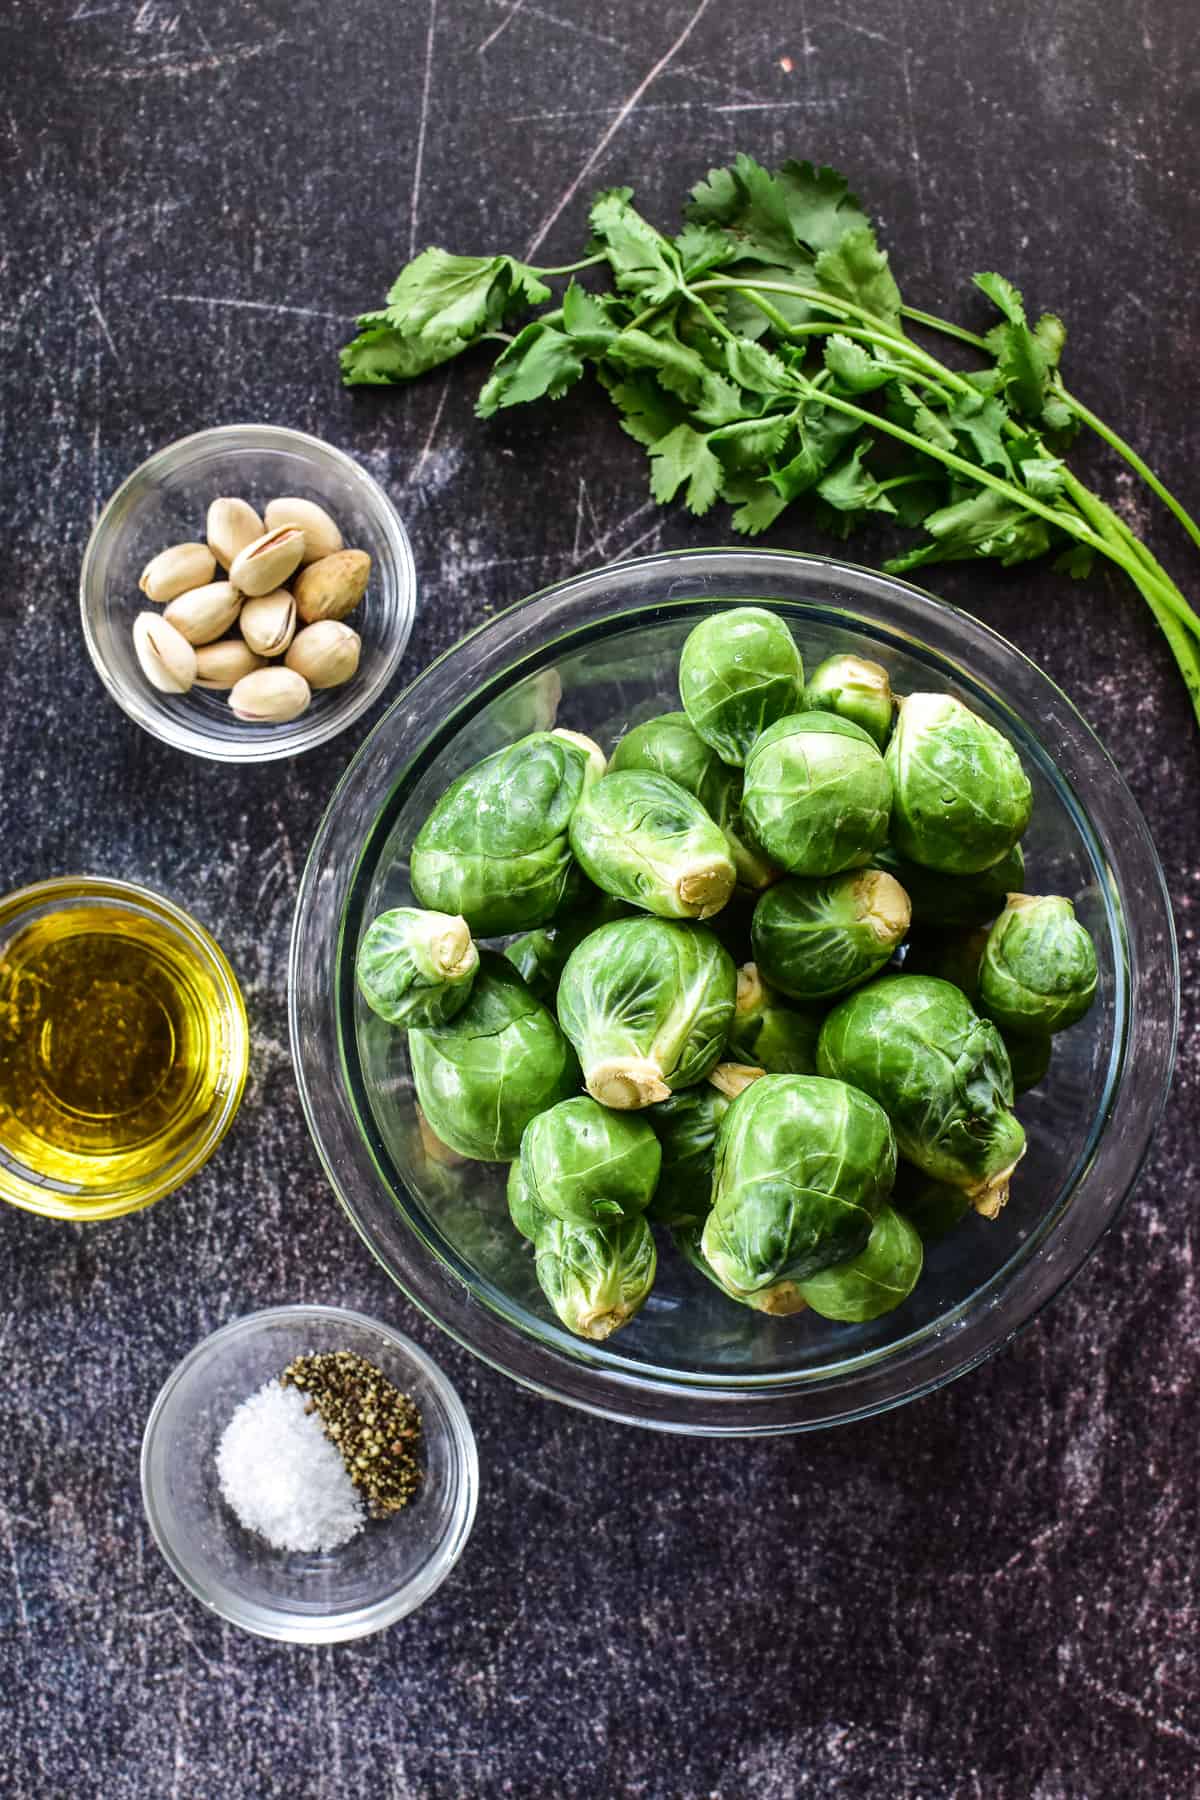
x,y
282,1476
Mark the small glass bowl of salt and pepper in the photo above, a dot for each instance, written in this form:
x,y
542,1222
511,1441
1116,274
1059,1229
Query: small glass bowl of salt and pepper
x,y
230,1523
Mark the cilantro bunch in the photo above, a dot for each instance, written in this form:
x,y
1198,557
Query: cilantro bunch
x,y
764,356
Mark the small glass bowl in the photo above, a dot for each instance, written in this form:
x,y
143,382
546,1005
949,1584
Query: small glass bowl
x,y
126,1182
165,502
326,1597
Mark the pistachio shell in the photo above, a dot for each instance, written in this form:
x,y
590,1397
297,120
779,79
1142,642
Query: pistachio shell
x,y
231,525
266,564
326,654
269,622
204,613
168,660
270,696
333,587
321,535
223,665
175,570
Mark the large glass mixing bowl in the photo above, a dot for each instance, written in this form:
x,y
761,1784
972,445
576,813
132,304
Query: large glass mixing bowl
x,y
598,653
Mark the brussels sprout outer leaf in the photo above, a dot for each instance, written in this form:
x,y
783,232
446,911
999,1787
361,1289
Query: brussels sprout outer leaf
x,y
954,902
495,846
523,1209
539,957
854,689
668,745
877,1280
940,1072
816,794
588,1165
646,840
494,1066
647,1004
739,671
1038,974
960,798
416,968
596,1277
802,1167
815,939
686,1126
781,1299
768,1032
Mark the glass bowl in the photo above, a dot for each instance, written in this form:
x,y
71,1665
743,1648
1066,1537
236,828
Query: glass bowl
x,y
165,502
322,1597
103,1182
598,653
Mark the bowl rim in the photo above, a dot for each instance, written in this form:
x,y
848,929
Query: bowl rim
x,y
627,1394
357,1622
294,738
113,1202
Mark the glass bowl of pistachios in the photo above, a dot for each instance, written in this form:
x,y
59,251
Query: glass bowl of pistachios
x,y
247,593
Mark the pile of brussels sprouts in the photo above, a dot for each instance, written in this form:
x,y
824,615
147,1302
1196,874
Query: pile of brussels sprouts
x,y
802,1123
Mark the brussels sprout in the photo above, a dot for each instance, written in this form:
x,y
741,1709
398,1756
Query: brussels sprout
x,y
595,1276
739,671
877,1280
816,794
481,1077
495,846
647,1004
953,957
1038,973
803,1166
934,1207
781,1298
954,902
814,939
1029,1058
668,745
686,1126
588,1165
960,798
768,1033
539,957
856,690
645,839
416,968
523,1209
940,1072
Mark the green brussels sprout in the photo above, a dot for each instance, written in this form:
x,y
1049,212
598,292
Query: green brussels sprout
x,y
1029,1058
647,1004
646,840
1038,973
954,902
481,1077
686,1126
495,847
780,1298
668,745
814,939
739,671
877,1280
596,1277
523,1209
540,956
960,798
854,689
770,1034
953,957
586,1164
940,1072
816,794
803,1166
934,1207
416,968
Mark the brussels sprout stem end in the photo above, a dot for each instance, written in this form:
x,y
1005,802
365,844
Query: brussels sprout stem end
x,y
704,886
626,1083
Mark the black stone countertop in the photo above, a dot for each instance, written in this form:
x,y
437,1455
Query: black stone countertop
x,y
990,1593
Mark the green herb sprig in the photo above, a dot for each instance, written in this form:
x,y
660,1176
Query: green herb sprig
x,y
763,355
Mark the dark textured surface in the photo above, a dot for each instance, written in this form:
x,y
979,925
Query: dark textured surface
x,y
992,1593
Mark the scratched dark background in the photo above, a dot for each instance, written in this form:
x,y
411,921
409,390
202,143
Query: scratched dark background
x,y
992,1593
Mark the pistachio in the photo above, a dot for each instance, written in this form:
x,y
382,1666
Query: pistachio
x,y
263,565
175,570
321,535
333,587
223,665
168,660
203,613
230,526
270,696
326,654
269,622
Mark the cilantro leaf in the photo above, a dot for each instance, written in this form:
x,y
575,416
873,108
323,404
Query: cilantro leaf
x,y
857,270
701,248
681,370
854,368
850,488
785,218
585,318
540,361
985,524
758,371
382,356
758,503
441,293
978,422
648,412
644,262
749,441
904,406
819,434
684,456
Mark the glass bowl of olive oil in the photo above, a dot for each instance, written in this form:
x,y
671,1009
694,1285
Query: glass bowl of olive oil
x,y
123,1047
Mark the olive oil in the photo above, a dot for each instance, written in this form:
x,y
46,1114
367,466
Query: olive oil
x,y
117,1048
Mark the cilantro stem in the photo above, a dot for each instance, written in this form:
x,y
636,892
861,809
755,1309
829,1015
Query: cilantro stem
x,y
1126,450
945,327
589,262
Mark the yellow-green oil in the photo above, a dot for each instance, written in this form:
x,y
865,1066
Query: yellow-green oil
x,y
114,1051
